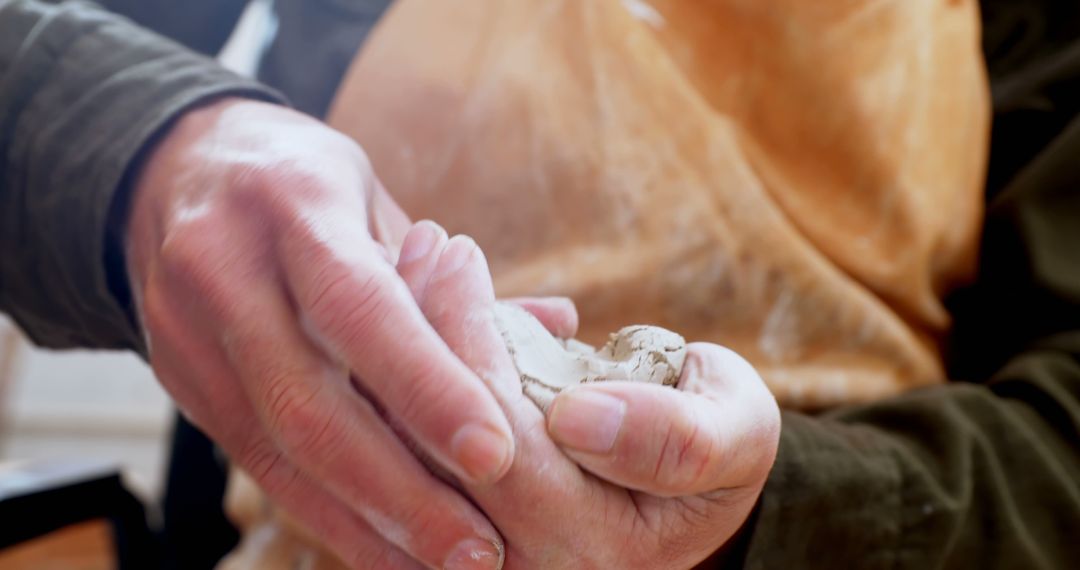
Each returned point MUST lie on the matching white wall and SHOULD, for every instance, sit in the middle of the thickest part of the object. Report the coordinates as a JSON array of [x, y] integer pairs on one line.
[[88, 404]]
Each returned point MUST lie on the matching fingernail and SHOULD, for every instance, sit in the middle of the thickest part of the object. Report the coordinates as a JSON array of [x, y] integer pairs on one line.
[[454, 257], [482, 452], [586, 420], [475, 554], [419, 243]]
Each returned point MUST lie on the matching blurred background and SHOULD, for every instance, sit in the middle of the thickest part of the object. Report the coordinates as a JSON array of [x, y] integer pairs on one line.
[[82, 404]]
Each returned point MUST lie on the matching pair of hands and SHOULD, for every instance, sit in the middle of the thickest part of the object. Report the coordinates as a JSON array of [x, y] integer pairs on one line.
[[336, 352]]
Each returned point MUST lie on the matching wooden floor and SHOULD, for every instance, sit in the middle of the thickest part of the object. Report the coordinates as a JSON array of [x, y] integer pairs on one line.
[[85, 546]]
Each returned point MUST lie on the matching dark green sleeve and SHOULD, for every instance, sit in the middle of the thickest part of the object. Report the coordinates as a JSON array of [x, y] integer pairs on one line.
[[983, 472], [963, 476], [82, 92], [201, 25], [976, 475]]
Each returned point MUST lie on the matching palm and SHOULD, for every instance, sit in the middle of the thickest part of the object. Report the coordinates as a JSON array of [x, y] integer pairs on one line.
[[551, 510]]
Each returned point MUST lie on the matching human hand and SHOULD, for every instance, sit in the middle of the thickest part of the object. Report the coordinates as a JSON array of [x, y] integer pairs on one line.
[[260, 248], [619, 475]]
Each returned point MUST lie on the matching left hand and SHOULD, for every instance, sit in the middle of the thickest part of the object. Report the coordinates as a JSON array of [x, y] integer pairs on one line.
[[619, 475]]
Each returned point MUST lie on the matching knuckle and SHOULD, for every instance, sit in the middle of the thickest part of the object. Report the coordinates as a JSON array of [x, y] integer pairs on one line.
[[284, 195], [347, 309], [299, 419], [423, 394], [433, 523], [260, 461], [192, 257], [425, 519], [289, 185], [685, 456], [268, 469], [287, 188], [184, 250]]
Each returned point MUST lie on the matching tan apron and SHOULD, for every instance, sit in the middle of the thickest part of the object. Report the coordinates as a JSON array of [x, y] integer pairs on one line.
[[798, 180]]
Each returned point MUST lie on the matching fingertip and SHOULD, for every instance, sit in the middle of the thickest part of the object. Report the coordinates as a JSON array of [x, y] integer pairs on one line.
[[459, 251], [420, 241], [419, 254], [484, 453]]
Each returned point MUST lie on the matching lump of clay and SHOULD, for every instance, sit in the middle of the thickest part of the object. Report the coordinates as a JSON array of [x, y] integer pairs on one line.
[[547, 365]]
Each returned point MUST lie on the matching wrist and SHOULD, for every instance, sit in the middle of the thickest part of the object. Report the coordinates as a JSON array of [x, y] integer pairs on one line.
[[130, 201]]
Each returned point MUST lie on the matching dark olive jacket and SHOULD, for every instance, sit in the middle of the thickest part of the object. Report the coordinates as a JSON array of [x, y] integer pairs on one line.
[[983, 472]]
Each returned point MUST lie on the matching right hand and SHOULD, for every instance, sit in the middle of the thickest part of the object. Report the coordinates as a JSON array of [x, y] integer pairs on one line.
[[618, 474], [261, 250]]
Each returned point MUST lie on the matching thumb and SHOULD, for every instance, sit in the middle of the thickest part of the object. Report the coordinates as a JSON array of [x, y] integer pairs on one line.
[[719, 430]]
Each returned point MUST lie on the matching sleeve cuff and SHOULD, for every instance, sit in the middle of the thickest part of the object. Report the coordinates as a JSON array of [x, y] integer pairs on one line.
[[91, 91]]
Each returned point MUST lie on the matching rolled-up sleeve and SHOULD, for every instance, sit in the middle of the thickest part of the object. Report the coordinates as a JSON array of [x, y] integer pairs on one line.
[[82, 93]]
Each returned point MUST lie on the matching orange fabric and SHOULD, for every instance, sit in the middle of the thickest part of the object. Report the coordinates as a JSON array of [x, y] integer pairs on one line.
[[800, 181]]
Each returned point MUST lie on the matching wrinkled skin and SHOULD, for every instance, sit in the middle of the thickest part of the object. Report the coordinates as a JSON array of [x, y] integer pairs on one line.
[[665, 489], [261, 251], [259, 242]]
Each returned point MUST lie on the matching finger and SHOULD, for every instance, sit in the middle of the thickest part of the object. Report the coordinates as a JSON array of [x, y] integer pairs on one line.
[[533, 496], [453, 288], [558, 314], [530, 503], [319, 513], [198, 375], [419, 254], [339, 440], [706, 436], [366, 316]]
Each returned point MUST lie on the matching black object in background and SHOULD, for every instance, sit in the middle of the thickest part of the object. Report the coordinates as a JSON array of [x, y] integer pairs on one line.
[[38, 498]]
